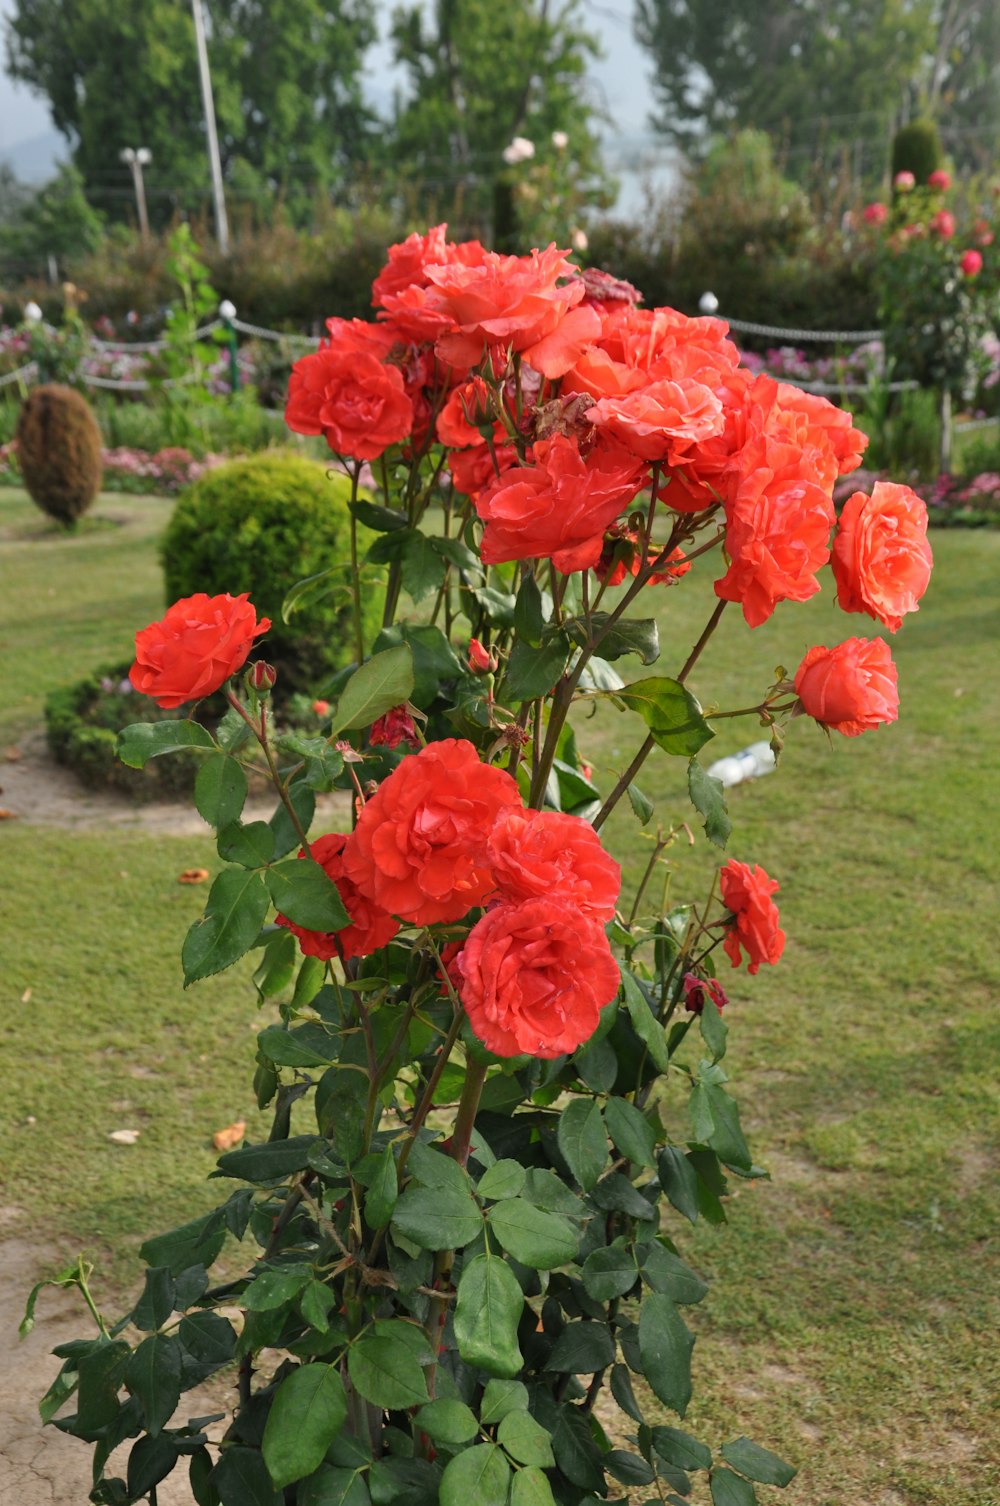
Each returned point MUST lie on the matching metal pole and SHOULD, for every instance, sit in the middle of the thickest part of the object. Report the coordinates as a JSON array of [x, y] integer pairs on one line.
[[140, 198], [221, 223]]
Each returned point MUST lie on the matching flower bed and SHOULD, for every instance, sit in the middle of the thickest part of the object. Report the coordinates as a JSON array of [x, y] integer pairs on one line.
[[166, 472]]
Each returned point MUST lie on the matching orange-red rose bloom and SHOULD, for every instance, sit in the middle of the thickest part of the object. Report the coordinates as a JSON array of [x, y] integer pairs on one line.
[[533, 977], [850, 688], [370, 927], [881, 557], [538, 853], [419, 848], [661, 421], [352, 398], [560, 507], [194, 649], [747, 892]]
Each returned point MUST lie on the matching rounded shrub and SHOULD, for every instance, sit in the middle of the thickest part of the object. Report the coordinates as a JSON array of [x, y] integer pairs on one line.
[[916, 149], [59, 452], [82, 723], [260, 525]]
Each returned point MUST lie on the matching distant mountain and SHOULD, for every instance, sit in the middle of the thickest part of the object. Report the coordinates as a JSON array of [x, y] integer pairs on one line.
[[35, 159]]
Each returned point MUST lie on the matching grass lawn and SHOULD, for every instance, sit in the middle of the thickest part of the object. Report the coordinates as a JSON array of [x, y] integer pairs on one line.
[[850, 1318]]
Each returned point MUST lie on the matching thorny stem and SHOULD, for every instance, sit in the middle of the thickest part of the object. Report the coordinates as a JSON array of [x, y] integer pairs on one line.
[[359, 636], [709, 629], [259, 730]]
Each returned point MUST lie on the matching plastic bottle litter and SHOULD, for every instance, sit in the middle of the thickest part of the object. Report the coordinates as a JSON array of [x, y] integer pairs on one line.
[[748, 763]]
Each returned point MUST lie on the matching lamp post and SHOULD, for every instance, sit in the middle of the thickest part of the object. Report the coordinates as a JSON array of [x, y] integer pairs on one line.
[[137, 159], [227, 313], [211, 135]]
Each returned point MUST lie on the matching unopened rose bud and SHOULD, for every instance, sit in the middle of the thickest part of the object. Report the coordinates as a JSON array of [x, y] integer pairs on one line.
[[321, 708], [397, 726], [482, 661], [261, 678], [696, 990]]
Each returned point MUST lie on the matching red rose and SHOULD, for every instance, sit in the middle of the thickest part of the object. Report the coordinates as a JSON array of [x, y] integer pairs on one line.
[[407, 262], [395, 727], [777, 530], [875, 214], [533, 977], [850, 688], [747, 892], [352, 398], [881, 557], [559, 507], [194, 649], [661, 421], [538, 853], [419, 848], [370, 926]]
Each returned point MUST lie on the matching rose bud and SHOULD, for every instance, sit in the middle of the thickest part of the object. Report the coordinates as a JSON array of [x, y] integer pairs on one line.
[[482, 661], [261, 678]]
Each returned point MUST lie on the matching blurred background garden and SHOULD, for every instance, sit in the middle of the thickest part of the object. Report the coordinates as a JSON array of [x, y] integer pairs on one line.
[[828, 180]]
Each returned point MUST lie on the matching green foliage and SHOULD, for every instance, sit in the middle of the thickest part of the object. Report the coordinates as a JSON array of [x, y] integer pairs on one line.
[[56, 220], [916, 149], [59, 452], [259, 525]]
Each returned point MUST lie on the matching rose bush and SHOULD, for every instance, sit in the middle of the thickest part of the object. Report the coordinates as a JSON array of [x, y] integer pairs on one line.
[[497, 1080]]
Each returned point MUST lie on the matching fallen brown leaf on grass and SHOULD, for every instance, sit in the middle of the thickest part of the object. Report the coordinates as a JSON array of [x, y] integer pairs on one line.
[[124, 1137], [193, 876], [12, 754], [225, 1139], [26, 996], [6, 815]]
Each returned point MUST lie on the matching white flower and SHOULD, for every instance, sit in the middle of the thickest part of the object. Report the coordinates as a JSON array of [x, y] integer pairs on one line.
[[579, 240], [560, 140], [520, 150]]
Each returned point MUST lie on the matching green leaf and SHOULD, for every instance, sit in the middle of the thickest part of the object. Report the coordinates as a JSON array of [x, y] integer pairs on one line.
[[434, 659], [437, 1218], [616, 1194], [730, 1490], [621, 1390], [665, 1272], [150, 1461], [276, 1288], [501, 1397], [303, 801], [597, 1065], [323, 763], [717, 1120], [628, 1469], [630, 1131], [384, 681], [582, 1140], [459, 555], [478, 1476], [153, 1374], [277, 966], [582, 1348], [316, 1302], [709, 799], [679, 1181], [234, 914], [100, 1376], [665, 1346], [535, 1238], [387, 1373], [435, 1168], [380, 1199], [532, 672], [315, 588], [421, 564], [330, 1486], [220, 789], [241, 1478], [713, 1028], [447, 1421], [609, 1272], [157, 1301], [529, 618], [487, 1312], [503, 1179], [498, 605], [758, 1463], [641, 804], [646, 1026], [525, 1440], [208, 1338], [308, 1411], [629, 635], [670, 712], [306, 1045], [251, 846], [378, 519], [145, 740], [194, 1243], [530, 1487], [303, 891], [270, 1162], [680, 1449]]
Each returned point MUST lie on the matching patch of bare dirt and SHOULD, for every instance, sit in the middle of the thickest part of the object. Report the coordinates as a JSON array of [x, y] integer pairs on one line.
[[38, 791]]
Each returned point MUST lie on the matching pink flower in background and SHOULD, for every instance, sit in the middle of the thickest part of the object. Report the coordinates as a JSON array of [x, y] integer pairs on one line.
[[904, 182], [939, 180], [943, 224], [875, 214], [971, 263]]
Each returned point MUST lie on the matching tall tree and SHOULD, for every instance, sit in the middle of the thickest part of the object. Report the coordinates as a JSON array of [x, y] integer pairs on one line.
[[286, 76], [837, 71], [479, 74]]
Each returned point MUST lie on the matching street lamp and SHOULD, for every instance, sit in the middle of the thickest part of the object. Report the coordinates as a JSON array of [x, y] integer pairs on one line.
[[137, 159], [708, 303]]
